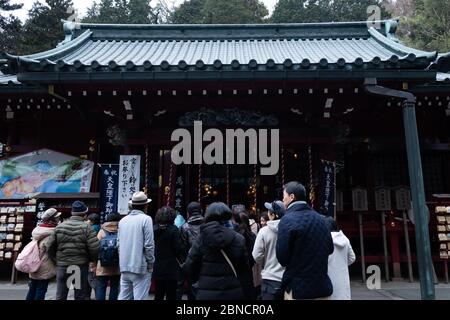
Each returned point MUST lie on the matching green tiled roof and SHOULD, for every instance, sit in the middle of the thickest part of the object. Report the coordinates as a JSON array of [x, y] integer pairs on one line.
[[252, 48]]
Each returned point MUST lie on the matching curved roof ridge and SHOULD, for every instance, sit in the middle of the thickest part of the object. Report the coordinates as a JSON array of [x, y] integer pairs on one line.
[[399, 47], [60, 50]]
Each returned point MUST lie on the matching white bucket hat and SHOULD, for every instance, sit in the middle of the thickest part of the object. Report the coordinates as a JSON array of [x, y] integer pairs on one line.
[[139, 198], [50, 214]]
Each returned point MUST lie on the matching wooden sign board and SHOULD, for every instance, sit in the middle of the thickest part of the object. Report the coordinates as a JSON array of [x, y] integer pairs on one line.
[[359, 197], [402, 198], [383, 199]]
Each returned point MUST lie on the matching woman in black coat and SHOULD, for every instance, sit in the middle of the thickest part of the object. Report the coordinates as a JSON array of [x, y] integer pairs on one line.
[[216, 278], [168, 254]]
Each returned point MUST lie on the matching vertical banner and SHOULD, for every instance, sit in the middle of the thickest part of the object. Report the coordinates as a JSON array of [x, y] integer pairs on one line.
[[109, 189], [129, 180], [326, 188]]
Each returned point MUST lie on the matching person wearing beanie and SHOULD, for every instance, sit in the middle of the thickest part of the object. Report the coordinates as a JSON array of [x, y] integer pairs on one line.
[[218, 262], [40, 279], [73, 245]]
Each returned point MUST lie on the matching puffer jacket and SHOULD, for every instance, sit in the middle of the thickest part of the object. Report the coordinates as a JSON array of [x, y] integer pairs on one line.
[[111, 227], [47, 269], [74, 243], [205, 263]]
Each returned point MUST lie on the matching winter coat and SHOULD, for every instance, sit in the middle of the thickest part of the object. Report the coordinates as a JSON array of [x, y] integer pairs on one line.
[[264, 252], [190, 230], [168, 252], [206, 264], [47, 269], [303, 246], [136, 243], [338, 263], [111, 227], [74, 243]]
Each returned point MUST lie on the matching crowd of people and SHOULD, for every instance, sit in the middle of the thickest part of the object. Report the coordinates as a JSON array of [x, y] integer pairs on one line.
[[223, 253]]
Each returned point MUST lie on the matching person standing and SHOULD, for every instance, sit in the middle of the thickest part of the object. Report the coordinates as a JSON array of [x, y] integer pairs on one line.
[[168, 254], [40, 279], [264, 219], [218, 260], [74, 245], [189, 234], [264, 253], [243, 228], [136, 250], [303, 246], [108, 270], [338, 262], [94, 221]]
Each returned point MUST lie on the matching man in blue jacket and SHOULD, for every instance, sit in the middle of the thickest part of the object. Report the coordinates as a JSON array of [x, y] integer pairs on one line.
[[303, 246]]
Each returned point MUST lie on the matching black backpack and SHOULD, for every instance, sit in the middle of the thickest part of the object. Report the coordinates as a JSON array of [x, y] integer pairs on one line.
[[109, 250]]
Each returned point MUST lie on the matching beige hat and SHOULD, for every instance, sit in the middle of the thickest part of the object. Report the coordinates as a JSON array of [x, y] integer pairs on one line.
[[139, 198], [50, 214]]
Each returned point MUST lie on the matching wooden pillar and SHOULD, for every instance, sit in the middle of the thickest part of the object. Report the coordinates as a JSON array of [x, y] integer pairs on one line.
[[361, 242], [395, 253], [385, 248]]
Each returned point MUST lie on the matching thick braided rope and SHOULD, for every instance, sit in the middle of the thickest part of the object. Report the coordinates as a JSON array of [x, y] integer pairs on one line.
[[311, 178], [170, 183]]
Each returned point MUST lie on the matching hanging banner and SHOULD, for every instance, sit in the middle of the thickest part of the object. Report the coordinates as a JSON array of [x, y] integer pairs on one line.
[[129, 180], [326, 188], [109, 189], [44, 171]]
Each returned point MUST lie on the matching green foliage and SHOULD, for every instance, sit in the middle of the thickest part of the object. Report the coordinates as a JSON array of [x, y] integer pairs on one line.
[[120, 11], [219, 11], [430, 26], [304, 11], [43, 29], [10, 28]]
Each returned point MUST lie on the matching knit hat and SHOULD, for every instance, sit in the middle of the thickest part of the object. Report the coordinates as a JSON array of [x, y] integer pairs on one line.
[[79, 208]]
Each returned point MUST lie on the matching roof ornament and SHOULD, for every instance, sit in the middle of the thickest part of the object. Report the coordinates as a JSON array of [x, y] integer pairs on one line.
[[69, 31], [391, 29]]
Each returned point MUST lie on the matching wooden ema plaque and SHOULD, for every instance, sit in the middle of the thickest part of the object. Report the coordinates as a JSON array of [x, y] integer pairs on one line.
[[383, 199], [359, 197], [402, 199]]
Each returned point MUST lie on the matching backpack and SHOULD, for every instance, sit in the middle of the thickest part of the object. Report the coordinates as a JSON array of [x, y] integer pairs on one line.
[[29, 259], [109, 250]]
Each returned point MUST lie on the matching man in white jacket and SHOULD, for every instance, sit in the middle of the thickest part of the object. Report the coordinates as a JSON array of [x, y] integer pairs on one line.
[[136, 250], [264, 253], [338, 263]]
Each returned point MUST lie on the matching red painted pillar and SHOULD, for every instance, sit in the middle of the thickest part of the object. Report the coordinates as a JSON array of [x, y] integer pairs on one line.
[[395, 253]]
